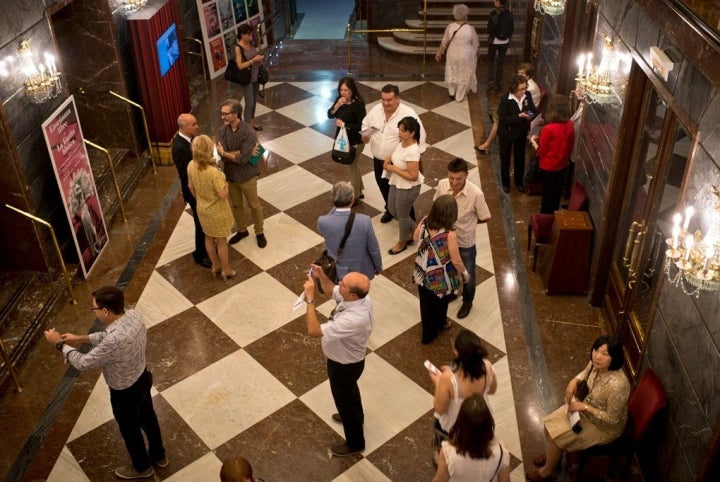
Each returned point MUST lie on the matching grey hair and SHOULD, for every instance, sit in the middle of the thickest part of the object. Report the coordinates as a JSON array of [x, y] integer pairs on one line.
[[342, 194], [235, 106], [460, 11]]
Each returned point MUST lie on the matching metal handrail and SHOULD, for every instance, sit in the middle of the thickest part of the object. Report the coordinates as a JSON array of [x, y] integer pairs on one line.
[[145, 124], [202, 58], [112, 172], [349, 31], [66, 275]]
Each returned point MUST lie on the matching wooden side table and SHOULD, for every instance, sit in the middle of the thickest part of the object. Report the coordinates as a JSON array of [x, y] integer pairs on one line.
[[566, 264]]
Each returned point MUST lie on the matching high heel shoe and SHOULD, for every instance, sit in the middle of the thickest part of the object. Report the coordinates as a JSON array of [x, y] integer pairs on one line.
[[226, 276]]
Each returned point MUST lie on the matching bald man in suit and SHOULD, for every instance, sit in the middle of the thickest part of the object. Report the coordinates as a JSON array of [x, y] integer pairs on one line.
[[182, 155]]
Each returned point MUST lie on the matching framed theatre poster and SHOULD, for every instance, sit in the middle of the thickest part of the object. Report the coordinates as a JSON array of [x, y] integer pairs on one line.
[[71, 164]]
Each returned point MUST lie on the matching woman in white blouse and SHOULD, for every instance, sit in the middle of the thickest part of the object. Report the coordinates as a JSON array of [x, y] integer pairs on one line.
[[403, 170]]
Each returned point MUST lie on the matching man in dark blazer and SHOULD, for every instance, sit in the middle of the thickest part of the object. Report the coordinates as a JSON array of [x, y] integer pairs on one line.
[[182, 155], [362, 251]]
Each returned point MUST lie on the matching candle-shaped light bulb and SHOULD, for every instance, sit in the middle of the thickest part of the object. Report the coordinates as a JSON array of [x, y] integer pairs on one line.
[[676, 220], [675, 236], [708, 257], [689, 211], [588, 69], [581, 64], [689, 242]]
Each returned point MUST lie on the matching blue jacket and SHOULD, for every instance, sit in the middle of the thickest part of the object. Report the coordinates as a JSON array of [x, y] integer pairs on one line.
[[361, 252]]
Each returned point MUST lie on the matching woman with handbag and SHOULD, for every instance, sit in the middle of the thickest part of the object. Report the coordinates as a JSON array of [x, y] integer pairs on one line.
[[437, 265], [248, 56], [553, 148], [348, 110], [473, 452], [602, 413], [403, 171], [460, 43]]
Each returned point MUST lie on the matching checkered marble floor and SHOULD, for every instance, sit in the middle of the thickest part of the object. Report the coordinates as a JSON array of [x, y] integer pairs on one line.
[[235, 373]]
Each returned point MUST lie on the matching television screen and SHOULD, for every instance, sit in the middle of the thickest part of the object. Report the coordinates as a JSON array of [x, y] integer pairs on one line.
[[168, 49]]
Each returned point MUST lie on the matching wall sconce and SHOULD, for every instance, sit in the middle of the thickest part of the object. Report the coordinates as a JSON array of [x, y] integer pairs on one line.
[[42, 80], [594, 83], [691, 261], [128, 7], [550, 7]]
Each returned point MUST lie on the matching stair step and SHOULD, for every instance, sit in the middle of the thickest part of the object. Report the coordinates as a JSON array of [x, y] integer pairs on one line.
[[447, 12], [389, 43], [418, 37], [441, 24]]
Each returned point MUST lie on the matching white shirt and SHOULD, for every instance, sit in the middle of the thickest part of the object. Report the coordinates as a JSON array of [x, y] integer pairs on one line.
[[400, 157], [471, 209], [385, 140], [345, 335]]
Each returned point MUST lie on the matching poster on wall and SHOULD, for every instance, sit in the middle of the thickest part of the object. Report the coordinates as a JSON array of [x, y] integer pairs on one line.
[[219, 23], [69, 157]]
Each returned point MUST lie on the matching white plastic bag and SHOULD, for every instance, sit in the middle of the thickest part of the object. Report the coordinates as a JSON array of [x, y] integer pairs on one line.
[[342, 143]]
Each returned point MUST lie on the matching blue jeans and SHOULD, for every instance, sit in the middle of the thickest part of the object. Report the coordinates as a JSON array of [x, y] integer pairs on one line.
[[468, 256]]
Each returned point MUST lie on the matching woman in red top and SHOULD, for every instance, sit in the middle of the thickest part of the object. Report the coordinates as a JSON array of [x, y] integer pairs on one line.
[[554, 147]]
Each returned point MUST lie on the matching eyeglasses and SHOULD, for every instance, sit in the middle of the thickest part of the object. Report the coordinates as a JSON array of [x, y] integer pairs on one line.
[[95, 309], [225, 114]]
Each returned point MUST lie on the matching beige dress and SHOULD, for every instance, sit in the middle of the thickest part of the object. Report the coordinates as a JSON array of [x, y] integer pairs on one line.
[[609, 394], [213, 211]]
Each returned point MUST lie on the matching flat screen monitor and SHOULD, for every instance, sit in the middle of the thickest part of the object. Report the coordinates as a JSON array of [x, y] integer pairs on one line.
[[168, 49]]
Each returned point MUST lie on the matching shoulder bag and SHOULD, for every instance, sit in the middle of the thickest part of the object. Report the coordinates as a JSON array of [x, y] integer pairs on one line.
[[327, 262], [237, 75]]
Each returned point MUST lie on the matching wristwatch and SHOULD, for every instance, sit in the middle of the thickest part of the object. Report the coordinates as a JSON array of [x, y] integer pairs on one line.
[[59, 344], [309, 301]]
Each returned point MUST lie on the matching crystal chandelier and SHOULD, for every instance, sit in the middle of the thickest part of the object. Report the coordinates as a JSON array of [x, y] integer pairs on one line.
[[128, 7], [691, 261], [594, 83], [550, 7], [42, 80]]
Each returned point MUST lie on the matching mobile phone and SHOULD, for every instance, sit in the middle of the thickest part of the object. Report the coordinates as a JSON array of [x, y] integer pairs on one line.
[[431, 368], [311, 272], [530, 113]]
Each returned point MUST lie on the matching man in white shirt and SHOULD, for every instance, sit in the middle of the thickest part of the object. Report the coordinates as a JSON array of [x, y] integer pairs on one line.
[[471, 210], [344, 343], [383, 120]]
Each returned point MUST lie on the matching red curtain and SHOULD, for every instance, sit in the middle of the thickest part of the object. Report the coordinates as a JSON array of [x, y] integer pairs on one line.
[[164, 97]]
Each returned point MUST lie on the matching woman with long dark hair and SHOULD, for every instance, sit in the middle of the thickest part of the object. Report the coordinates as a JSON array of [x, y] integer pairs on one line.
[[438, 265], [472, 452], [603, 412], [348, 110], [469, 374]]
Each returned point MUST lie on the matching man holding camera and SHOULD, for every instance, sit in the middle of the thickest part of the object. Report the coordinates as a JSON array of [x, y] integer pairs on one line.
[[344, 343]]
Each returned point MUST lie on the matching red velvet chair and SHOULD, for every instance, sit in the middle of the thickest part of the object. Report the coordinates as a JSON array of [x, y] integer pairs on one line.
[[646, 402], [540, 225]]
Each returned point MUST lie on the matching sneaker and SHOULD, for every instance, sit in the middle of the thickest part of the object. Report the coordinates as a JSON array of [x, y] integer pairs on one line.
[[386, 217], [238, 236], [336, 418], [261, 241], [343, 450], [464, 310], [130, 473], [162, 463]]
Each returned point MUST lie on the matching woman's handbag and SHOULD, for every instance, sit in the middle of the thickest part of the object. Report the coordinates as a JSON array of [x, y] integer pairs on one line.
[[582, 390], [263, 75], [533, 174], [237, 75], [327, 262], [343, 152]]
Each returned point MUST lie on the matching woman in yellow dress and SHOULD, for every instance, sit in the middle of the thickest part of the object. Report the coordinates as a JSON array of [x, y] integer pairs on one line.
[[208, 185]]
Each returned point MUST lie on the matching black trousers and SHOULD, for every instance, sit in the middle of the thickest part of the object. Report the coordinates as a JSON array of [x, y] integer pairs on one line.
[[516, 148], [346, 394], [553, 183], [495, 62], [433, 314], [200, 252], [384, 184], [134, 413]]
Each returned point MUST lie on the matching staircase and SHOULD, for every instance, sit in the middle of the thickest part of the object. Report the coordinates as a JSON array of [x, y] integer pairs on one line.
[[439, 15]]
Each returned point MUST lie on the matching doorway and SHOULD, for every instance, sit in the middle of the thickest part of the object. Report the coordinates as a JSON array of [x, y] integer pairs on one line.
[[651, 193]]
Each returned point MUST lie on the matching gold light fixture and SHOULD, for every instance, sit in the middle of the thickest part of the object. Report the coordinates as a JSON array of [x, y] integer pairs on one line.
[[550, 7], [692, 261], [128, 7], [42, 80], [594, 83]]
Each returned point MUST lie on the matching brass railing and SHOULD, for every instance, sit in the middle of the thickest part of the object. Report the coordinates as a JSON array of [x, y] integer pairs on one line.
[[349, 31], [201, 54], [112, 173], [145, 124], [66, 275]]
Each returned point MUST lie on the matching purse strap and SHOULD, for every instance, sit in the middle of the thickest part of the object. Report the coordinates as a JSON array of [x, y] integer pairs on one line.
[[348, 228], [453, 36], [498, 466]]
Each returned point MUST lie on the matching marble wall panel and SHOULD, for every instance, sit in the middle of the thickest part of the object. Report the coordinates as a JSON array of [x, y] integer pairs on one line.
[[17, 17], [615, 11], [693, 101], [383, 17], [710, 126]]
